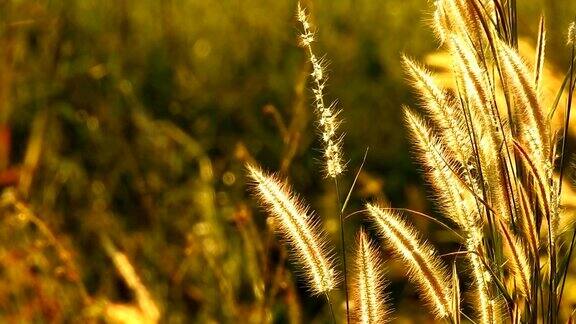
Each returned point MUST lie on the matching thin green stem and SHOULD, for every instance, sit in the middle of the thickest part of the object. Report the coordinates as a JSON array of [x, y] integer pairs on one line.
[[266, 275], [331, 307], [417, 213], [341, 215], [556, 306], [567, 122], [354, 182], [567, 268]]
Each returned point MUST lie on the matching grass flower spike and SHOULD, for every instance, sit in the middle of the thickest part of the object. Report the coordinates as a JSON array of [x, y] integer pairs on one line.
[[571, 40], [327, 114], [425, 268], [369, 299], [299, 228], [518, 261]]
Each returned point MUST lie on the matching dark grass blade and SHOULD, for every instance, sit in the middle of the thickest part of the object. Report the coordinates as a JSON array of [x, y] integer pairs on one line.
[[540, 50], [567, 123]]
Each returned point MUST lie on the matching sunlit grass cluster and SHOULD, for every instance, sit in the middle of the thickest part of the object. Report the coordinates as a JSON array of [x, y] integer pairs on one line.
[[248, 161], [495, 165]]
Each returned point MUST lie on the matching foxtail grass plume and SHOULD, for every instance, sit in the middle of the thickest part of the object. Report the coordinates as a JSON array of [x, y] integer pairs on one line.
[[527, 225], [458, 17], [327, 114], [485, 308], [535, 130], [447, 19], [455, 198], [425, 268], [571, 40], [440, 108], [368, 286], [299, 228], [440, 25], [518, 261]]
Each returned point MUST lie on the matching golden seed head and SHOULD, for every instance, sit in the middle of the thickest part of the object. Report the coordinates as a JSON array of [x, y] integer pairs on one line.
[[368, 283], [299, 228], [572, 33], [424, 266], [307, 37], [327, 114]]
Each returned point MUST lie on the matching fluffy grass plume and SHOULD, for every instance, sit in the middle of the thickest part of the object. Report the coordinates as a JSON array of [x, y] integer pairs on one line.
[[438, 105], [424, 267], [327, 113], [446, 152], [571, 38], [299, 228], [455, 197], [368, 285], [517, 260]]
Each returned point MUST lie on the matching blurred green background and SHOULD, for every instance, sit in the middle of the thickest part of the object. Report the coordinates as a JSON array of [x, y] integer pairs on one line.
[[125, 126]]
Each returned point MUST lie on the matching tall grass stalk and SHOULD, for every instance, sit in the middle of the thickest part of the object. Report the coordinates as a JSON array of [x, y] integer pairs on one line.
[[300, 230], [328, 123]]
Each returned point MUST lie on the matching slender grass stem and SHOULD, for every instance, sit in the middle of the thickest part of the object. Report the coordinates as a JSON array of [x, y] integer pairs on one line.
[[563, 151], [266, 275], [342, 238], [354, 182], [331, 307], [468, 318], [567, 121], [566, 270], [417, 213]]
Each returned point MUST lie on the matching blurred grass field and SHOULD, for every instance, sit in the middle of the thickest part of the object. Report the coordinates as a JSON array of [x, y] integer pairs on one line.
[[125, 126]]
